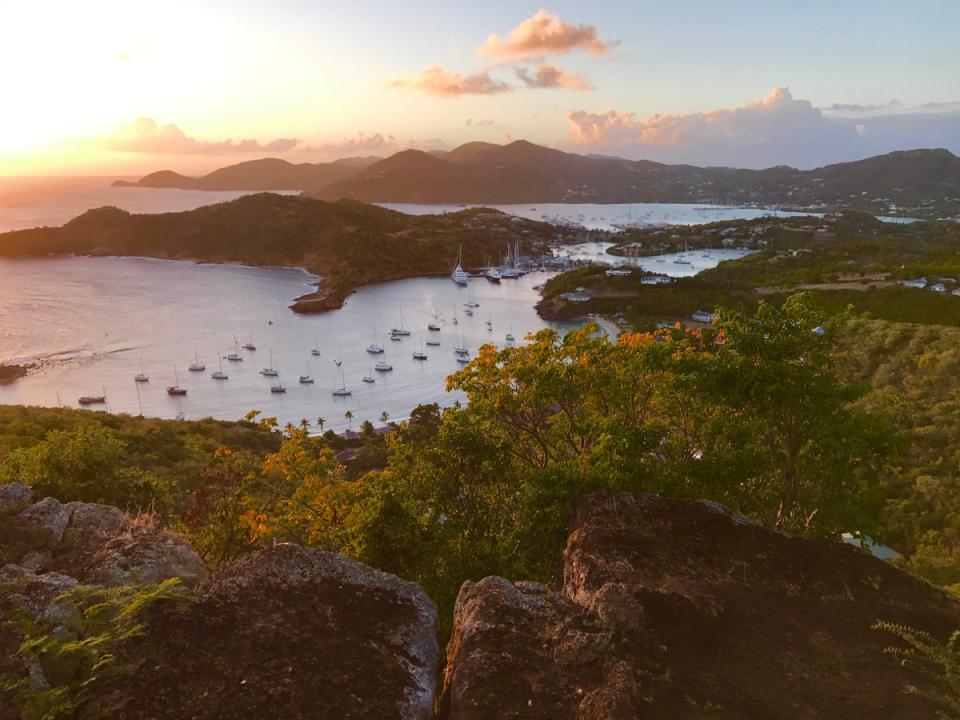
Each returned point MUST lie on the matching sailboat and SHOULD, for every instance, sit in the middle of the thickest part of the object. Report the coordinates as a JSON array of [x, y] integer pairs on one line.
[[315, 351], [369, 378], [510, 338], [342, 391], [489, 323], [219, 374], [471, 301], [435, 325], [401, 331], [175, 389], [270, 371], [306, 378], [141, 377], [374, 348], [234, 356], [196, 365], [383, 366], [459, 276], [278, 387], [249, 345], [93, 399], [455, 320], [509, 270], [420, 354]]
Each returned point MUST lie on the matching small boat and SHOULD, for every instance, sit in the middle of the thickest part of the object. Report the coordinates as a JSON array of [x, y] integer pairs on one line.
[[493, 275], [342, 391], [369, 378], [681, 261], [459, 276], [306, 380], [383, 366], [141, 377], [434, 342], [315, 352], [510, 337], [175, 389], [196, 365], [375, 348], [395, 338], [92, 399], [419, 355], [249, 346], [463, 359], [234, 356], [278, 388], [270, 371], [489, 324], [219, 374], [469, 312], [401, 331], [433, 327]]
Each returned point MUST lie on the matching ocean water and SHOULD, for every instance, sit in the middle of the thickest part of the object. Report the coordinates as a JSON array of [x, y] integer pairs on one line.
[[47, 201], [88, 323], [681, 264]]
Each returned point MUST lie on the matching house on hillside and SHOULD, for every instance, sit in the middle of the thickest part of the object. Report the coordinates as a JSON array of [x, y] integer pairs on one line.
[[702, 316]]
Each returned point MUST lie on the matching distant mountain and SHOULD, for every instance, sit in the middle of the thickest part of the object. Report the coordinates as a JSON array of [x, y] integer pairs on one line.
[[927, 181], [347, 242], [922, 183], [264, 174]]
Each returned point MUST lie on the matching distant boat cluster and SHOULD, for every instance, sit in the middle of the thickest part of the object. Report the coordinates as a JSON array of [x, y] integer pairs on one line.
[[429, 339]]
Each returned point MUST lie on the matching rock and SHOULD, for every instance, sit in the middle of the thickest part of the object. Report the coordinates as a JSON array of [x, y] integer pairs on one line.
[[14, 497], [100, 545], [49, 516], [289, 633], [675, 608]]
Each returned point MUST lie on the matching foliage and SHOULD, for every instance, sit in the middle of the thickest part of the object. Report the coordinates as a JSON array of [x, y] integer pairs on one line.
[[927, 656], [79, 658]]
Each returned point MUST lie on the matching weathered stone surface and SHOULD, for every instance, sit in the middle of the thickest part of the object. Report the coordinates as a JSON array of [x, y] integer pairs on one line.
[[293, 633], [100, 545], [674, 608], [50, 516], [14, 497]]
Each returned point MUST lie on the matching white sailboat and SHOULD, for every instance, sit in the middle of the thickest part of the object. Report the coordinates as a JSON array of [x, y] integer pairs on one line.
[[306, 378], [342, 391], [383, 366], [234, 356], [369, 378], [219, 374], [270, 371], [375, 348], [141, 377], [196, 365], [175, 389], [402, 331], [420, 354], [459, 276]]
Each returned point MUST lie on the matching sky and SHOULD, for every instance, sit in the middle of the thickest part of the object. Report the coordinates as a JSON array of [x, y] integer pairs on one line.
[[124, 87]]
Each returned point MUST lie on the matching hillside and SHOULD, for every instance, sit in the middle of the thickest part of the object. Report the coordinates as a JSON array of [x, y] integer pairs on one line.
[[264, 174], [924, 181], [348, 243]]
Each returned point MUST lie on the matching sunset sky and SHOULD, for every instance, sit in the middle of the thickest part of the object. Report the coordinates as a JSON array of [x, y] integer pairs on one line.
[[125, 87]]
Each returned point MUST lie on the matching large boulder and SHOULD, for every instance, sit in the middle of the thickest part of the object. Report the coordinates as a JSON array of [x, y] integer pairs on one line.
[[98, 545], [291, 633], [14, 497], [675, 608]]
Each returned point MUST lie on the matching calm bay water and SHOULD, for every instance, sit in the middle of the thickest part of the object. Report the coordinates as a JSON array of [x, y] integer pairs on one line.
[[88, 322], [608, 216]]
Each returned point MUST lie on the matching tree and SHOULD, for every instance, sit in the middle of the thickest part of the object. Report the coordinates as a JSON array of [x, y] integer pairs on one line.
[[349, 416], [384, 417], [321, 422]]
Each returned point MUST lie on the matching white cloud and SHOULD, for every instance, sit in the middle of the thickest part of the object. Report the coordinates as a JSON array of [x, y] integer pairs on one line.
[[145, 136], [775, 130], [541, 35]]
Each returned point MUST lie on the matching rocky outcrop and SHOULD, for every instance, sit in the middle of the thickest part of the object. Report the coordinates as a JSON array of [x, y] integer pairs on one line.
[[674, 608], [289, 632], [97, 545]]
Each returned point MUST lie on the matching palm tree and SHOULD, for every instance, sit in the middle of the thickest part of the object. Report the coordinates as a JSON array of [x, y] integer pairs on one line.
[[320, 422], [304, 423], [349, 416], [384, 416]]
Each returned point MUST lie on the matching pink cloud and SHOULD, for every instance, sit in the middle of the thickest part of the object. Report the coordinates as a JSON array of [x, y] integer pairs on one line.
[[434, 80], [544, 34], [145, 136], [551, 76], [774, 130]]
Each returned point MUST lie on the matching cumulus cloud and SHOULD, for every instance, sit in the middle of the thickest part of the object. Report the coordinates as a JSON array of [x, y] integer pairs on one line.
[[358, 144], [775, 130], [434, 80], [145, 136], [551, 76], [544, 34]]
